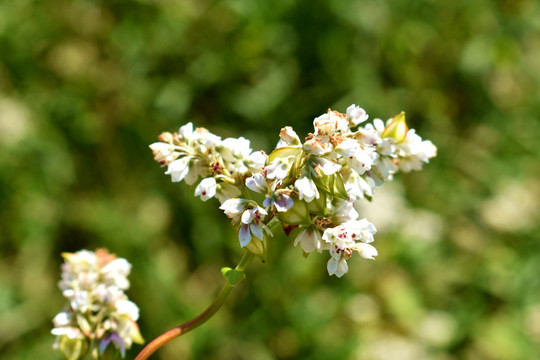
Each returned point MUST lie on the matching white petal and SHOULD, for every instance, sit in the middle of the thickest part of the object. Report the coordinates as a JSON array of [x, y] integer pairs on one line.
[[366, 251], [178, 169], [126, 307], [332, 266], [309, 240], [186, 131], [356, 114], [342, 268], [244, 235], [257, 183], [233, 207], [206, 188], [62, 319], [256, 161], [307, 190], [328, 167], [247, 217], [283, 202], [257, 231]]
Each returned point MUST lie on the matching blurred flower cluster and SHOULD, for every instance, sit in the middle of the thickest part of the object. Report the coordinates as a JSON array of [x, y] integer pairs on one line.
[[98, 312], [312, 188]]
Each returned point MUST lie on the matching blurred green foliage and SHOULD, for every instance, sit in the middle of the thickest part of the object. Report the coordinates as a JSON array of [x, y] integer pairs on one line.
[[86, 85]]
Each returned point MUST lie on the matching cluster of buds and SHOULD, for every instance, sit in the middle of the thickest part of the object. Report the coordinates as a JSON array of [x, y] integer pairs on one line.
[[311, 188], [98, 312]]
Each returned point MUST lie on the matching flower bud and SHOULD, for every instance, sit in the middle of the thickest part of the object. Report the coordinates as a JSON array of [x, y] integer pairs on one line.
[[289, 136], [257, 247], [396, 128], [166, 137], [309, 239]]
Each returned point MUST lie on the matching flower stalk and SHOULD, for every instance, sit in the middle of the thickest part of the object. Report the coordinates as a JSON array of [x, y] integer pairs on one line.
[[234, 278]]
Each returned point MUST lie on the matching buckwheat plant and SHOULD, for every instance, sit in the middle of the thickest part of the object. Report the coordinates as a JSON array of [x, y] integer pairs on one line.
[[310, 188], [98, 312]]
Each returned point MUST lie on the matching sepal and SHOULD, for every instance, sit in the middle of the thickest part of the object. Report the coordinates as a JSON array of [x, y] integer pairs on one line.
[[258, 248], [297, 214]]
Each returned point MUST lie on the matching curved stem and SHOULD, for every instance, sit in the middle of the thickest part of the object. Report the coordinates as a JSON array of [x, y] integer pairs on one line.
[[197, 321]]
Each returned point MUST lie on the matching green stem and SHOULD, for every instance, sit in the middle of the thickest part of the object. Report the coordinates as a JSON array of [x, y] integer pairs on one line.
[[197, 321]]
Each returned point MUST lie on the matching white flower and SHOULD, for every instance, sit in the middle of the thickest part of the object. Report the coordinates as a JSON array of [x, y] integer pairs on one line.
[[328, 167], [255, 162], [233, 149], [348, 147], [178, 169], [115, 273], [257, 183], [357, 187], [288, 138], [385, 145], [309, 239], [382, 170], [356, 115], [238, 157], [279, 168], [337, 267], [234, 207], [281, 201], [366, 251], [360, 158], [126, 307], [251, 225], [307, 190], [363, 230], [186, 132], [343, 239], [331, 122], [164, 153], [204, 140], [197, 167], [342, 211], [318, 145], [206, 188], [62, 319], [413, 152], [94, 283]]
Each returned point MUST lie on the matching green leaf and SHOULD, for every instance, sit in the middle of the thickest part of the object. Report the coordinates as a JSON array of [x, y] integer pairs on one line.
[[324, 183], [233, 276]]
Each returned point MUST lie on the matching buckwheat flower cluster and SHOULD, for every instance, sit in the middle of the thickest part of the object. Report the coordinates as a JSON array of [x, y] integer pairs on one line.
[[98, 312], [223, 165], [310, 187]]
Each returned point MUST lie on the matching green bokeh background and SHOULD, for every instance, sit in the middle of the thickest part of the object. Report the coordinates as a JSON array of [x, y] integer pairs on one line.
[[86, 86]]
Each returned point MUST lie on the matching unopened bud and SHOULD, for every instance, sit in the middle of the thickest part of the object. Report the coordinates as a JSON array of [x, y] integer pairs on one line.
[[289, 136], [396, 128], [166, 137]]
